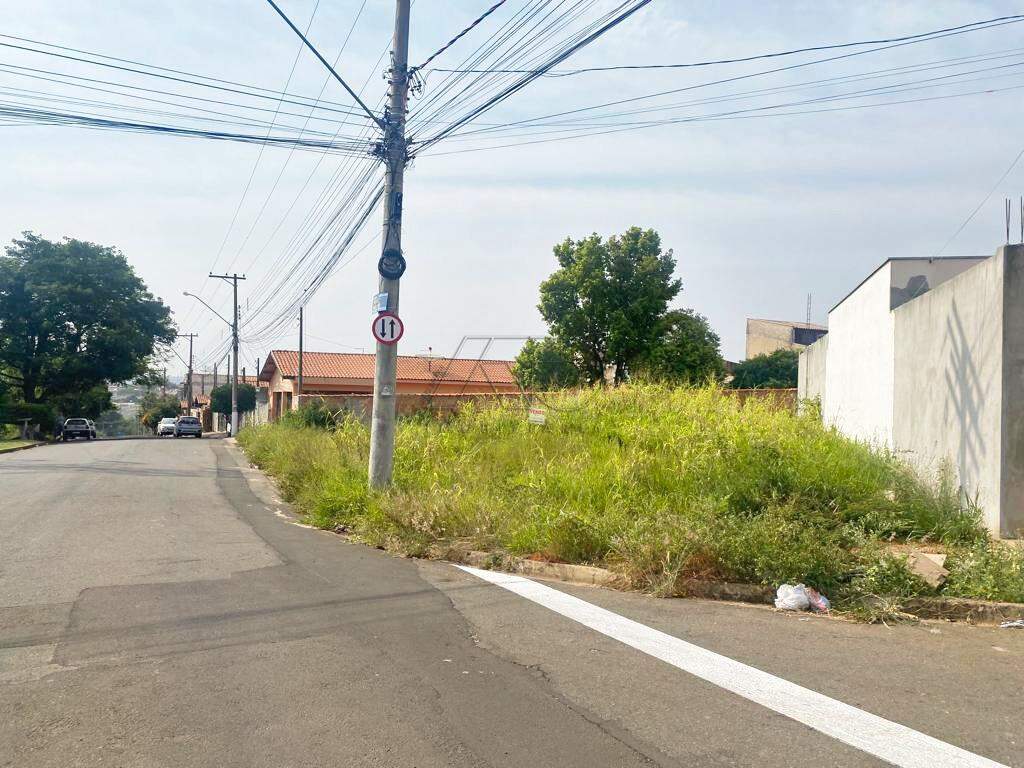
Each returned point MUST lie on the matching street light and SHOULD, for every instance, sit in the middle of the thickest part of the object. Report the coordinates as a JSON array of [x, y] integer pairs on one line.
[[234, 375], [218, 314]]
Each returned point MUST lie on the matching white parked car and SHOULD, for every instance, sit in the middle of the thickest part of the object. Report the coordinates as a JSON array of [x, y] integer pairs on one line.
[[165, 427]]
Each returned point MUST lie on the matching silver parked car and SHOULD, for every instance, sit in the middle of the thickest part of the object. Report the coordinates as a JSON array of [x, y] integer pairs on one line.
[[78, 428], [165, 427], [188, 425]]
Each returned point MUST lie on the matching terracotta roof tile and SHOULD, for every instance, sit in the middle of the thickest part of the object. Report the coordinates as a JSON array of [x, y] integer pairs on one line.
[[348, 365]]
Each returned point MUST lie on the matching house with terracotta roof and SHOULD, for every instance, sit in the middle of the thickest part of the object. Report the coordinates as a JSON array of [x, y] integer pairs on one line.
[[333, 374]]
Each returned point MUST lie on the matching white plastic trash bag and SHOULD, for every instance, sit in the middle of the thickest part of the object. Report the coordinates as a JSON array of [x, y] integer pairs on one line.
[[790, 598]]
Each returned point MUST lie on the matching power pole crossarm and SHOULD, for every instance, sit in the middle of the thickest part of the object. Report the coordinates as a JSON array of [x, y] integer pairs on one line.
[[395, 156]]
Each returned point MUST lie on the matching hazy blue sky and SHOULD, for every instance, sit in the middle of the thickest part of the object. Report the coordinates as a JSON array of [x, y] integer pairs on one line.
[[759, 212]]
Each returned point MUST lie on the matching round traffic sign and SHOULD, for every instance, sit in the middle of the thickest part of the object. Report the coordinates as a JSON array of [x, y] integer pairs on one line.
[[387, 328]]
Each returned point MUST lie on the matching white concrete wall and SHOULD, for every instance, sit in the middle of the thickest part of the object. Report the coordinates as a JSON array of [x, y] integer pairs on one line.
[[811, 376], [948, 385], [859, 374]]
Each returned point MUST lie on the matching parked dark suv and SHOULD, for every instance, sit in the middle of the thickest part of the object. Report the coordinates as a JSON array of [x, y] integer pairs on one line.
[[188, 425], [78, 428]]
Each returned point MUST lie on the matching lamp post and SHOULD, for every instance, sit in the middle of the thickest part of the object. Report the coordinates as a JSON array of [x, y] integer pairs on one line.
[[234, 377]]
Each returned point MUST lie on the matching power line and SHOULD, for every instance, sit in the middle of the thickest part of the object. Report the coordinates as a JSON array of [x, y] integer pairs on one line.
[[980, 205], [521, 83], [458, 37], [324, 61], [272, 93], [744, 59], [267, 94], [725, 116], [737, 78], [256, 163]]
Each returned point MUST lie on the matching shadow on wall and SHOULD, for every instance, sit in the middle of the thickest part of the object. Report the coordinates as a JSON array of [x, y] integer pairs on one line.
[[967, 395]]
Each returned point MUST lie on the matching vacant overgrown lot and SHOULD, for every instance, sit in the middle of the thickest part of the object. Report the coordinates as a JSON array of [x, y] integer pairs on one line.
[[656, 483]]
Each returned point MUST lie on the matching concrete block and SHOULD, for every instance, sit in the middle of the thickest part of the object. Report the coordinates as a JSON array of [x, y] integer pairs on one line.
[[929, 567]]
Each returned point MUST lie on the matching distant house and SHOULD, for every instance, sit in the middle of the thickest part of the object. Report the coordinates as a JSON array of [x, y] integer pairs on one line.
[[926, 357], [767, 336], [327, 374]]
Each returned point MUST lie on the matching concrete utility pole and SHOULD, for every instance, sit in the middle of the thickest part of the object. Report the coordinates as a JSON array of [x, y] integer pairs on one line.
[[233, 279], [298, 399], [395, 156], [188, 378]]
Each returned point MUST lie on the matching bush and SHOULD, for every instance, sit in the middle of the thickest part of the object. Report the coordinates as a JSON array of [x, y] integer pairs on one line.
[[655, 482], [989, 570]]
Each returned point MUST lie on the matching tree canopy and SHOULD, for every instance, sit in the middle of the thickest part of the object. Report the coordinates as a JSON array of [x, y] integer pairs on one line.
[[155, 406], [545, 364], [220, 399], [777, 370], [74, 317], [608, 304], [686, 351]]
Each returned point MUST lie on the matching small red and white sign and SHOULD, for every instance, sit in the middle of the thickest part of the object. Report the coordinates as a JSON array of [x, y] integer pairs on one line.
[[387, 328]]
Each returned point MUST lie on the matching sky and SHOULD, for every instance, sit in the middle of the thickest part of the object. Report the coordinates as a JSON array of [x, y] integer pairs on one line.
[[759, 212]]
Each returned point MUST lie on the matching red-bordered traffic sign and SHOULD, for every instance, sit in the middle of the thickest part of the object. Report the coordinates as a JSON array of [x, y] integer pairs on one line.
[[387, 328]]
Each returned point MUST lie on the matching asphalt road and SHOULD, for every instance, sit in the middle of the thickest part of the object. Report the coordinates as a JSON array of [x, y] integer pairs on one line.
[[158, 607]]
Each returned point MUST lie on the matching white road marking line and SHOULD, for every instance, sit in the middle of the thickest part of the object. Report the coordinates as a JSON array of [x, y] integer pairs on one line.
[[889, 741]]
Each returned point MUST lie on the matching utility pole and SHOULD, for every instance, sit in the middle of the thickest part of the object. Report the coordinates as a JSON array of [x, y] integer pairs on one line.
[[298, 399], [188, 379], [395, 156], [233, 279], [163, 386]]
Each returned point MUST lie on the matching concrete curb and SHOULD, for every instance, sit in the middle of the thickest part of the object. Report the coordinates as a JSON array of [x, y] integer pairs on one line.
[[21, 448], [963, 609], [590, 575], [980, 612]]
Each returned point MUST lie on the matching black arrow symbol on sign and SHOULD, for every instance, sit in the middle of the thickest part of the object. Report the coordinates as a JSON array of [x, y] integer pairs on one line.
[[392, 329]]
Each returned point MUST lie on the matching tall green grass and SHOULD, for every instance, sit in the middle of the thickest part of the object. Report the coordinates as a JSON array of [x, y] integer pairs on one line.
[[656, 482]]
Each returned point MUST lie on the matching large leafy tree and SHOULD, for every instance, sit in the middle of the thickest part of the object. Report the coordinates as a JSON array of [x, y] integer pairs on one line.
[[606, 301], [608, 305], [777, 370], [545, 364], [686, 351], [153, 406], [74, 317], [220, 398]]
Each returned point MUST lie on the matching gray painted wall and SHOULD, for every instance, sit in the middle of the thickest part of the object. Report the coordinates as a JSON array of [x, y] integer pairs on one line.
[[946, 369], [1012, 507], [947, 404]]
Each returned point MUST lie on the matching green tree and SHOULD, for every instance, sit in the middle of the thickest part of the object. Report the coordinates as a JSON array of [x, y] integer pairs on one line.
[[777, 370], [545, 364], [220, 399], [112, 424], [153, 406], [686, 351], [74, 316], [605, 302], [608, 304], [89, 403]]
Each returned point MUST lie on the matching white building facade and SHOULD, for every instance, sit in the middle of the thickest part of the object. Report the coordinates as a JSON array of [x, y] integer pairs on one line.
[[926, 357]]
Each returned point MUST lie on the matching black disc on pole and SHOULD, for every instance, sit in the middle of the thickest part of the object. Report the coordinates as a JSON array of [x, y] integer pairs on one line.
[[391, 264]]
